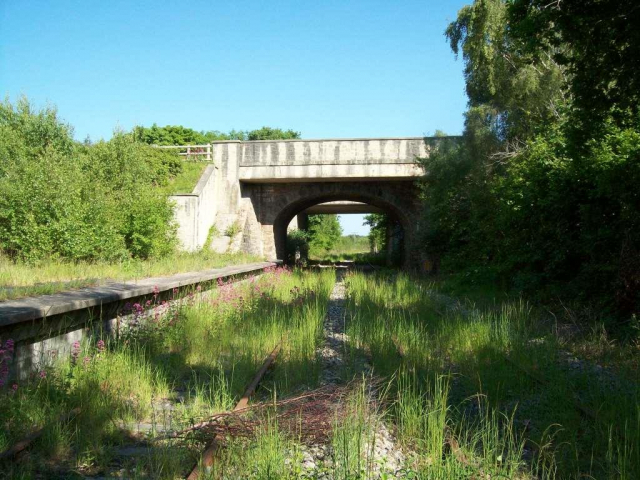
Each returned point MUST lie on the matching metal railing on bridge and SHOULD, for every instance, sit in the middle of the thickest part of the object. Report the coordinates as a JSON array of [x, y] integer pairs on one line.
[[198, 153]]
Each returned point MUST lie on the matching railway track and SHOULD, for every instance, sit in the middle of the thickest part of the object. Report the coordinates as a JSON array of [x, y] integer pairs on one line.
[[23, 444], [208, 456], [584, 411]]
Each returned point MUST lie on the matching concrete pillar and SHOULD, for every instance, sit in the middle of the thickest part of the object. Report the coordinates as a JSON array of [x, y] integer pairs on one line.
[[269, 243]]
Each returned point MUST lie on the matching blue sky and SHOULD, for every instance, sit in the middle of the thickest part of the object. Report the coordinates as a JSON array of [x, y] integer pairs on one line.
[[352, 224], [326, 69]]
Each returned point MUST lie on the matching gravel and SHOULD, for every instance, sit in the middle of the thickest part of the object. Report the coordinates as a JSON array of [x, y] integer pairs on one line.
[[381, 451]]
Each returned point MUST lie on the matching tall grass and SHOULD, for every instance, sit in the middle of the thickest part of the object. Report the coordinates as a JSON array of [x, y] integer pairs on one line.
[[19, 279], [111, 387], [186, 180], [200, 360], [269, 455], [353, 438], [499, 382]]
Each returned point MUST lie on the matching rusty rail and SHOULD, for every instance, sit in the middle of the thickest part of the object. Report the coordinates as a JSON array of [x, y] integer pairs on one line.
[[209, 454], [542, 381], [33, 436]]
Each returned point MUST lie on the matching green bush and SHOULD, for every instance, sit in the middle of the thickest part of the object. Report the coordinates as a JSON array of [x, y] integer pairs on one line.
[[297, 241], [324, 232], [61, 199], [541, 193]]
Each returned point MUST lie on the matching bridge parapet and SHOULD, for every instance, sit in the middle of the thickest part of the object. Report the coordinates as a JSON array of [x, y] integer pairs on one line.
[[358, 151], [325, 160]]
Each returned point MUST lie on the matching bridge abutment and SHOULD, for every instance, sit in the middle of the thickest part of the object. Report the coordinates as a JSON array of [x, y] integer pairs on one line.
[[261, 186]]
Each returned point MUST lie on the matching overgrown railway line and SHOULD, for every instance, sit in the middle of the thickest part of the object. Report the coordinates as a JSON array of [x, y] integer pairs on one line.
[[208, 456], [359, 395]]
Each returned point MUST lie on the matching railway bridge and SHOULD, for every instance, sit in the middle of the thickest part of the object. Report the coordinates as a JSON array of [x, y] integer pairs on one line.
[[255, 189]]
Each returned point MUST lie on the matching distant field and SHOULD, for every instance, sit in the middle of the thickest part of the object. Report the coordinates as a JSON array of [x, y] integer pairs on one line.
[[345, 249]]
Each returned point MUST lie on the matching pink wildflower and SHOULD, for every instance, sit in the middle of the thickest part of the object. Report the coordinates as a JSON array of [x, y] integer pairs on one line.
[[43, 374], [100, 345], [75, 351]]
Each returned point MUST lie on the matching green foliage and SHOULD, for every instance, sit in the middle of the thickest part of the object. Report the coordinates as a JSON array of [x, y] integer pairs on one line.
[[324, 232], [232, 230], [297, 246], [509, 94], [68, 200], [352, 244], [596, 41], [202, 350], [574, 216], [20, 278], [385, 238], [378, 223], [187, 179], [541, 193], [179, 135], [509, 362], [267, 133]]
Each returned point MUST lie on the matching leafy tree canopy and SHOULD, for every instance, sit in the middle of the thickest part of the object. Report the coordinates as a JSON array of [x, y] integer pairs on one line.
[[378, 223], [268, 133], [598, 41], [541, 193], [324, 231], [60, 198], [179, 135]]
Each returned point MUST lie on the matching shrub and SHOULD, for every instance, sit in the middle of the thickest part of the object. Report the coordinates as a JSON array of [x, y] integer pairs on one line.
[[59, 198], [233, 229], [297, 241]]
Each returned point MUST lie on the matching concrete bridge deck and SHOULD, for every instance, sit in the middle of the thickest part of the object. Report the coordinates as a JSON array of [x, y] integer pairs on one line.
[[342, 207], [325, 159]]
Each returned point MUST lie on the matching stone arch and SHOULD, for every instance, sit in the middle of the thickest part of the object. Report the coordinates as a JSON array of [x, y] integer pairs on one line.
[[282, 220], [276, 204]]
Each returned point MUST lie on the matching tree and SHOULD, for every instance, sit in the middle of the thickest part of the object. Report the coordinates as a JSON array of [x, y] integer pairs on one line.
[[268, 133], [66, 199], [597, 41], [378, 223], [511, 91], [324, 231], [541, 192], [179, 135], [168, 135]]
